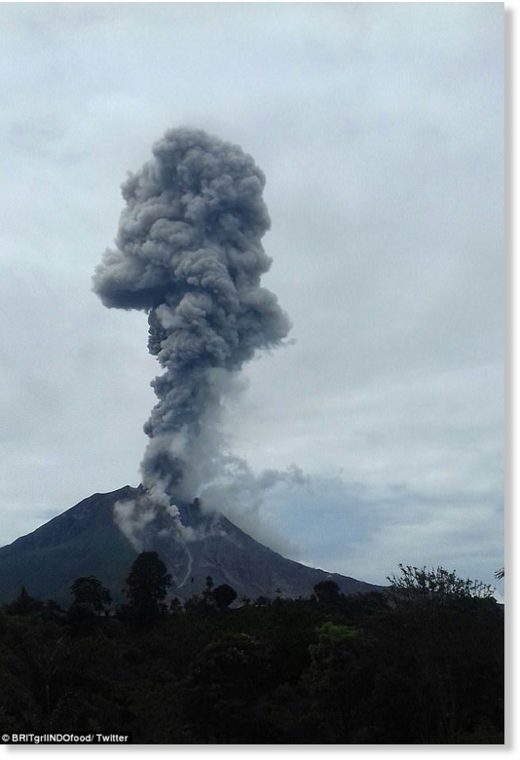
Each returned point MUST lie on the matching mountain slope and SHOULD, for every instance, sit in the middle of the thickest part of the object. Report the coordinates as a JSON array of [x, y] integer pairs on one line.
[[92, 539], [84, 540]]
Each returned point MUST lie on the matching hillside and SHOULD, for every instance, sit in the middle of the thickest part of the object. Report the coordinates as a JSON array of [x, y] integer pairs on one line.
[[86, 540]]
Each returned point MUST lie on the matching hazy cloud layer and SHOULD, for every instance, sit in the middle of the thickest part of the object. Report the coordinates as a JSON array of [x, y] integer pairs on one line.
[[379, 129]]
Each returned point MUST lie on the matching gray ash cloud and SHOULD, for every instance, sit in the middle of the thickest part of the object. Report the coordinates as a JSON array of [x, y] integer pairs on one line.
[[188, 252]]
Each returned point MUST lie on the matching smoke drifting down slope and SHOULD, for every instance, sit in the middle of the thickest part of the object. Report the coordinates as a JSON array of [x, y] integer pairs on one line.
[[189, 253]]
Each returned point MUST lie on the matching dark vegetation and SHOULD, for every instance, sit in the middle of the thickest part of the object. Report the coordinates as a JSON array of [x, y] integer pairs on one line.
[[422, 663]]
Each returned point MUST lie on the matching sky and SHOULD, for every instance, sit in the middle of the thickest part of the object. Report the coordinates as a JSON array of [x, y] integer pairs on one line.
[[379, 129]]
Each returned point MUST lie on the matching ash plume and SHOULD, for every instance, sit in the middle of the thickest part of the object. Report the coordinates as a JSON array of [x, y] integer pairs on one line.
[[189, 253]]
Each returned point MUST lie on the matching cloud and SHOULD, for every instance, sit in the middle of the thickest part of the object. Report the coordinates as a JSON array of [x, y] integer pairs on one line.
[[377, 528]]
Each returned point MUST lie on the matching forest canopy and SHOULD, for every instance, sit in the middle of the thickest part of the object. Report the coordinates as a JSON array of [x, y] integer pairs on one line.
[[421, 663]]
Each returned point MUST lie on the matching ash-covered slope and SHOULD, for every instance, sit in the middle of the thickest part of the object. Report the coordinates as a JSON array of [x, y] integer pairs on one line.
[[88, 540]]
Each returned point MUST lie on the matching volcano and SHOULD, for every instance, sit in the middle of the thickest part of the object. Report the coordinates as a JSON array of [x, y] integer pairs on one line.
[[87, 540]]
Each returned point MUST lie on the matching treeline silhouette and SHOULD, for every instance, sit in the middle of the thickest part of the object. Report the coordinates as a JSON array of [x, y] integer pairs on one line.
[[421, 663]]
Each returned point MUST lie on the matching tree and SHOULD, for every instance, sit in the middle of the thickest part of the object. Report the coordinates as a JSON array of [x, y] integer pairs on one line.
[[207, 594], [327, 592], [332, 682], [51, 610], [222, 691], [147, 585], [437, 660], [421, 584], [24, 604], [89, 592], [223, 596]]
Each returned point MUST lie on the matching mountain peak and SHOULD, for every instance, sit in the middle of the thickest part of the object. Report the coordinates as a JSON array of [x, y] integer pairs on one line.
[[102, 535]]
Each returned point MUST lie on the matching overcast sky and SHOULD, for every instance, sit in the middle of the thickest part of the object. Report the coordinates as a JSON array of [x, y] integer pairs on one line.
[[379, 129]]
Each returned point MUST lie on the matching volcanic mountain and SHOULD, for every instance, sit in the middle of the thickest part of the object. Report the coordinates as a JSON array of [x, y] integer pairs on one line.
[[91, 538]]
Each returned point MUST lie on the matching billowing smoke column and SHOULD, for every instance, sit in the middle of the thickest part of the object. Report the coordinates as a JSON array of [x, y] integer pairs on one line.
[[189, 253]]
